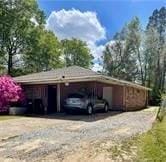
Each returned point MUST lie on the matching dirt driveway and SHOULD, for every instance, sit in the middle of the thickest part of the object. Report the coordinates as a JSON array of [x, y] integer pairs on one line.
[[58, 137]]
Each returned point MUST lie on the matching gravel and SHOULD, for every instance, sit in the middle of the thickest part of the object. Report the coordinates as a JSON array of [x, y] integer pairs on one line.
[[69, 134]]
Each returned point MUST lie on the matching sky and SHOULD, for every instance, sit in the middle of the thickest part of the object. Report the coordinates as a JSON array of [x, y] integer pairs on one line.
[[95, 21]]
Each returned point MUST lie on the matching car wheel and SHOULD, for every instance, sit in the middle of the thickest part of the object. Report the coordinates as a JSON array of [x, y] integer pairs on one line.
[[89, 109], [106, 108]]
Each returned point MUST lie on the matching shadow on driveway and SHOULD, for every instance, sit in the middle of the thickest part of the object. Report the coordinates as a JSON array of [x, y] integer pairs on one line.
[[77, 116]]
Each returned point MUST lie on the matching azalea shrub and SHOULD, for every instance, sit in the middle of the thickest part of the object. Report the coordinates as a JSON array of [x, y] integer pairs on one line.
[[10, 92]]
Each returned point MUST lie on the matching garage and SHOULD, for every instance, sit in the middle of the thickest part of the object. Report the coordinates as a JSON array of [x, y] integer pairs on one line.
[[52, 87]]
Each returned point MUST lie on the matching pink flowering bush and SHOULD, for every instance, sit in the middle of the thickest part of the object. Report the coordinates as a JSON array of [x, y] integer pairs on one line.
[[10, 92]]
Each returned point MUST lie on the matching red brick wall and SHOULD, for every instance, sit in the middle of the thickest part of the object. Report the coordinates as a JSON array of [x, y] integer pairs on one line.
[[135, 98], [125, 98]]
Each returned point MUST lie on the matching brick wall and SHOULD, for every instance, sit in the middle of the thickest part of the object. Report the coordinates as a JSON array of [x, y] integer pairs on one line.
[[135, 98], [124, 98]]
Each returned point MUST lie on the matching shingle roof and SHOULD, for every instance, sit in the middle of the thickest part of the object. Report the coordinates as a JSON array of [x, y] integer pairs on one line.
[[72, 73], [66, 72]]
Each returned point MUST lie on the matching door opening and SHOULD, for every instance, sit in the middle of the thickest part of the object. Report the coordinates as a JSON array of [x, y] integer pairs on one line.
[[52, 99]]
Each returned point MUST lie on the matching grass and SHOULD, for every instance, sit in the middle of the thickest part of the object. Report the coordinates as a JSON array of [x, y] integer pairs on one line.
[[7, 117], [147, 147], [152, 145]]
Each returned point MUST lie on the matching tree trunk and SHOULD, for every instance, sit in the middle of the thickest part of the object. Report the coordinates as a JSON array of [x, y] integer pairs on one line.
[[145, 74], [158, 72], [141, 69], [10, 64], [163, 76], [163, 82]]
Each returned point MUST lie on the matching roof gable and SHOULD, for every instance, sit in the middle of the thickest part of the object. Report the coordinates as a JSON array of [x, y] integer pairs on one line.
[[60, 73]]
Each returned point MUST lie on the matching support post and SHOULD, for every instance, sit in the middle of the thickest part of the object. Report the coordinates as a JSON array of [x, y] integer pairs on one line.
[[147, 98], [124, 98], [58, 98]]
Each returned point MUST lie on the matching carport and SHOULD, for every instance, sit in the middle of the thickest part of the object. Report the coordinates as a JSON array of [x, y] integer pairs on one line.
[[52, 87]]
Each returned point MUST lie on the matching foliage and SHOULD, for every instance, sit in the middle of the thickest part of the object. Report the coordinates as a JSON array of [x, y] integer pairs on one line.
[[138, 55], [9, 92], [43, 51], [151, 50], [157, 22], [113, 60], [26, 46], [76, 52], [155, 97], [120, 58], [16, 21]]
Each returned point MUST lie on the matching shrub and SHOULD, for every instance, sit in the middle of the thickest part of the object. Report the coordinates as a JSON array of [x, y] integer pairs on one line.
[[10, 92], [155, 97]]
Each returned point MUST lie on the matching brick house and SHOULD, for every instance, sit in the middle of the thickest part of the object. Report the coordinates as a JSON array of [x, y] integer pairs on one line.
[[52, 87]]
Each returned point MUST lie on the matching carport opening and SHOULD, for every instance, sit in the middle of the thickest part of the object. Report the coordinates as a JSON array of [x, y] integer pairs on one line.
[[52, 99]]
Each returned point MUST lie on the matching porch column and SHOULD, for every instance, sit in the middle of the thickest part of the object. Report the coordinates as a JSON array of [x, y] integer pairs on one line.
[[58, 98]]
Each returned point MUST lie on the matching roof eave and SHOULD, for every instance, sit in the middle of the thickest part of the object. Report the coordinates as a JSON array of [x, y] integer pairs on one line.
[[99, 78], [111, 80]]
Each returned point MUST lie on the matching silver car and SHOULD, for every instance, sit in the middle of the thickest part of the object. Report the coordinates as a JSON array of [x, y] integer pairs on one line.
[[84, 102]]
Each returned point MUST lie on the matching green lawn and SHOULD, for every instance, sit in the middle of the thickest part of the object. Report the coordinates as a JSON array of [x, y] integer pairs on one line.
[[7, 117]]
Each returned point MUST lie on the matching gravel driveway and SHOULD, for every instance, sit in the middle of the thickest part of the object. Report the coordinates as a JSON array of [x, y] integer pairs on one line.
[[36, 139]]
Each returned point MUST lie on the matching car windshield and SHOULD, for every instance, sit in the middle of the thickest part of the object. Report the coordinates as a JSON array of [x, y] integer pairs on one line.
[[76, 95]]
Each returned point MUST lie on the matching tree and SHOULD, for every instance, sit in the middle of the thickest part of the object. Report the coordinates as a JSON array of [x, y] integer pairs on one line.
[[158, 22], [43, 51], [16, 21], [114, 59], [76, 52], [151, 50], [133, 52], [120, 59], [9, 92]]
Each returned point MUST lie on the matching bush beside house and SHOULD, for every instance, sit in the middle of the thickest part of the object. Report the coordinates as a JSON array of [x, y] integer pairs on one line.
[[10, 93]]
